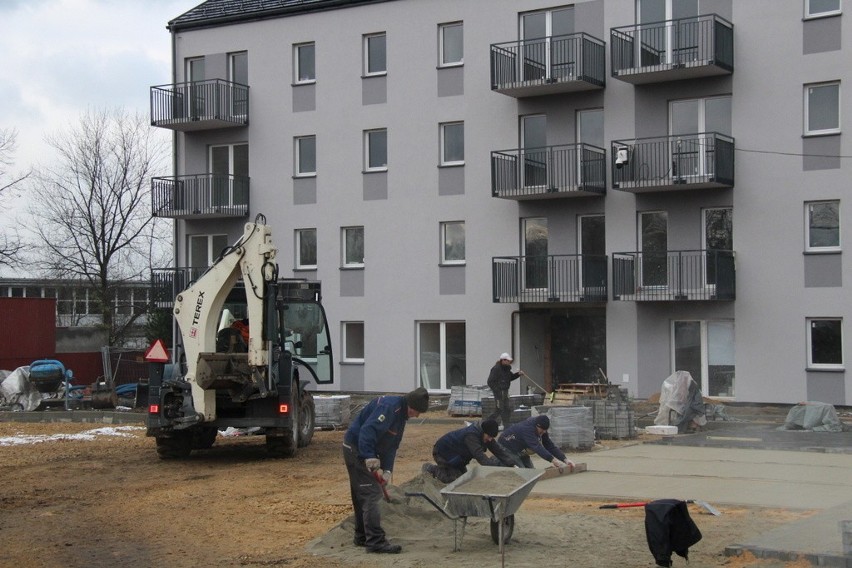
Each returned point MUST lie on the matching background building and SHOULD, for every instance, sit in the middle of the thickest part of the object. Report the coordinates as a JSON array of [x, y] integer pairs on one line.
[[609, 187]]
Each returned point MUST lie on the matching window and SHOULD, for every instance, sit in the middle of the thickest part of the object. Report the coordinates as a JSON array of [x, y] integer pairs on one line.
[[441, 352], [353, 247], [452, 144], [229, 181], [822, 226], [353, 341], [706, 350], [303, 63], [451, 44], [204, 249], [820, 8], [238, 73], [306, 249], [375, 56], [376, 150], [822, 108], [452, 242], [825, 343], [306, 155]]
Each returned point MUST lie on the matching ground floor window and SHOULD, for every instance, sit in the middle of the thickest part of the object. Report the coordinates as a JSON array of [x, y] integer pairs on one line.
[[706, 350], [441, 354], [352, 339], [825, 343]]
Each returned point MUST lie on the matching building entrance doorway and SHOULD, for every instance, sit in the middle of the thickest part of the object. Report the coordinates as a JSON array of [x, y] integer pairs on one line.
[[578, 346]]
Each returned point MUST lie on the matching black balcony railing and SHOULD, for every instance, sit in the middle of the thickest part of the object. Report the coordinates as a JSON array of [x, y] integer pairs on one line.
[[557, 64], [687, 161], [551, 171], [200, 105], [553, 278], [685, 48], [166, 283], [201, 195], [674, 275]]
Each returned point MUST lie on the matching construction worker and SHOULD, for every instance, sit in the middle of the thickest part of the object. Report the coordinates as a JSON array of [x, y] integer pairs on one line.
[[454, 450], [369, 450], [499, 380], [530, 437]]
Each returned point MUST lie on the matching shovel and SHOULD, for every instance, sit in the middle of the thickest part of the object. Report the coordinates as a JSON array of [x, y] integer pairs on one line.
[[703, 504]]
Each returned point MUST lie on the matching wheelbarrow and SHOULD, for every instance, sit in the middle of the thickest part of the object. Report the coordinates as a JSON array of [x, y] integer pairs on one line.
[[479, 500]]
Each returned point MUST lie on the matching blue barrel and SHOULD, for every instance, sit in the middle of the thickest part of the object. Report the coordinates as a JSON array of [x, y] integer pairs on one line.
[[47, 375]]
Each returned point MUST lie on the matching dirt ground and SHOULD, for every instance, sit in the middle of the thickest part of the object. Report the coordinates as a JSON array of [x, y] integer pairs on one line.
[[110, 502]]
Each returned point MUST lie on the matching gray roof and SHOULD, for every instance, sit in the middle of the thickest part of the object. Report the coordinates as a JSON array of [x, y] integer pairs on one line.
[[223, 12]]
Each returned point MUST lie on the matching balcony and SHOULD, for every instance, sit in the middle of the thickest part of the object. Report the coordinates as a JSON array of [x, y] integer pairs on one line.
[[548, 65], [200, 105], [200, 196], [549, 172], [571, 278], [666, 163], [686, 48], [682, 275], [166, 283]]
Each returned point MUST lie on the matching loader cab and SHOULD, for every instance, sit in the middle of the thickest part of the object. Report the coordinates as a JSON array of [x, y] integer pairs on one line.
[[295, 320]]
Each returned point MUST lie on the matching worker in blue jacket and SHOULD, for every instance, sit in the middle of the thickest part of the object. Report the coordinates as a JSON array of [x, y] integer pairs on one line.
[[369, 451], [528, 437], [454, 450]]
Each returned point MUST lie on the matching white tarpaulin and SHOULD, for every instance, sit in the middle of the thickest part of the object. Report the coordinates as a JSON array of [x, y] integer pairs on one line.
[[18, 393], [680, 402]]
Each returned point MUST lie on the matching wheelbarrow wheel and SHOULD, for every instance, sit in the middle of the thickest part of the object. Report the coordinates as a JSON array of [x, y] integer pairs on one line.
[[508, 529]]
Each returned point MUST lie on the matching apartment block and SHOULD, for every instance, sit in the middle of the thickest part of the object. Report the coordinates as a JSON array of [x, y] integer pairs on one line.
[[607, 189]]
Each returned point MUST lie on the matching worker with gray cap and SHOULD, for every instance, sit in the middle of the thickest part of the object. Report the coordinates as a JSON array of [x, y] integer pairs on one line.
[[530, 437], [369, 451], [454, 450], [499, 380]]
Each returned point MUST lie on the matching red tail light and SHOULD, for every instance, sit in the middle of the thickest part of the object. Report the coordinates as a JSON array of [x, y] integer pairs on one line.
[[283, 408], [154, 409]]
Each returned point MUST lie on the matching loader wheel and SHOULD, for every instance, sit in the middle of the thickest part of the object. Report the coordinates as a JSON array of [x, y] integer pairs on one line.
[[282, 446], [307, 418], [204, 438], [175, 448], [508, 529]]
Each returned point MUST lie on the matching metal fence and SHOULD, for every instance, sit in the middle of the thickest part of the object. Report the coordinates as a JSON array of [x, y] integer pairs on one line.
[[199, 101], [528, 172], [200, 194], [674, 275]]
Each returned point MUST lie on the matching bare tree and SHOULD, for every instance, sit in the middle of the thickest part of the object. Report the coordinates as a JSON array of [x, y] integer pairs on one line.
[[11, 245], [95, 207]]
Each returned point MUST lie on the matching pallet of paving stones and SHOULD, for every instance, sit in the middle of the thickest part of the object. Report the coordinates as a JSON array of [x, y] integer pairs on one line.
[[332, 411]]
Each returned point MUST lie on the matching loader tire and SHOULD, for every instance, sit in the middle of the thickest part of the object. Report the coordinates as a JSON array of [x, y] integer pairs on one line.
[[175, 448], [282, 446], [307, 418], [204, 438]]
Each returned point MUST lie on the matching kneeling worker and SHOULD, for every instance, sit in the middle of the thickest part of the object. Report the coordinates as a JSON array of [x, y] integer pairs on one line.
[[454, 450], [369, 450], [530, 436]]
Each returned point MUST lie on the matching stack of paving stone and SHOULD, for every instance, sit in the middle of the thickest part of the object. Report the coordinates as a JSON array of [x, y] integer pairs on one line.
[[614, 420], [332, 411], [571, 427], [521, 403], [467, 400]]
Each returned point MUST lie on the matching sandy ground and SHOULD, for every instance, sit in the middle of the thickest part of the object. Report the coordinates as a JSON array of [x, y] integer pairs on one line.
[[109, 501]]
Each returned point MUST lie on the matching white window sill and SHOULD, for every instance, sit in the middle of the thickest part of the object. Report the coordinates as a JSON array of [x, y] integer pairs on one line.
[[839, 369]]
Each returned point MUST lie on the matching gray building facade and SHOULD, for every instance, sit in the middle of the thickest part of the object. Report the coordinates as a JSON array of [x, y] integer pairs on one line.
[[608, 188]]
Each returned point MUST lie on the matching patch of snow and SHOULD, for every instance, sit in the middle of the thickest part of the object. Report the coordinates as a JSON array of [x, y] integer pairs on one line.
[[88, 435]]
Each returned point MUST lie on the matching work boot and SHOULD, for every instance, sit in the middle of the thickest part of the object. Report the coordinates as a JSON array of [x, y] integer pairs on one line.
[[359, 540], [429, 468], [385, 548]]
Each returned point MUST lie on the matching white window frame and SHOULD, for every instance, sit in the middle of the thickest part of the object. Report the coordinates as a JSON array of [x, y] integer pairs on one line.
[[444, 375], [810, 14], [344, 231], [812, 248], [443, 137], [297, 66], [345, 328], [823, 366], [368, 70], [445, 243], [298, 252], [442, 40], [367, 145], [806, 97], [297, 151]]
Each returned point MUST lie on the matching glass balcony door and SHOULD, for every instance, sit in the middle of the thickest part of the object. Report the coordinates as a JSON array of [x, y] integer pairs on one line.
[[539, 60], [653, 243], [693, 151], [592, 246], [660, 43], [534, 246], [534, 153], [706, 350], [229, 169], [197, 99], [718, 236], [590, 130], [238, 73]]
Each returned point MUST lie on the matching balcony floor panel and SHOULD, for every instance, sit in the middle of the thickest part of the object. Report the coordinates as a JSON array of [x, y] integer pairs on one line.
[[535, 195], [187, 125], [222, 213], [668, 186], [545, 87], [670, 72]]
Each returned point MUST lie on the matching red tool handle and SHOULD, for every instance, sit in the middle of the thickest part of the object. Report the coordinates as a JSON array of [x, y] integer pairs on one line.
[[382, 484], [622, 505]]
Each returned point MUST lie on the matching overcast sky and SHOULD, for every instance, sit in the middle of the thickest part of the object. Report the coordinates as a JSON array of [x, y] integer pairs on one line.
[[61, 57]]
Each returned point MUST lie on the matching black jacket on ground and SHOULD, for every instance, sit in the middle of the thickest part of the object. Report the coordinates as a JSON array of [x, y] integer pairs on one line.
[[669, 528]]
